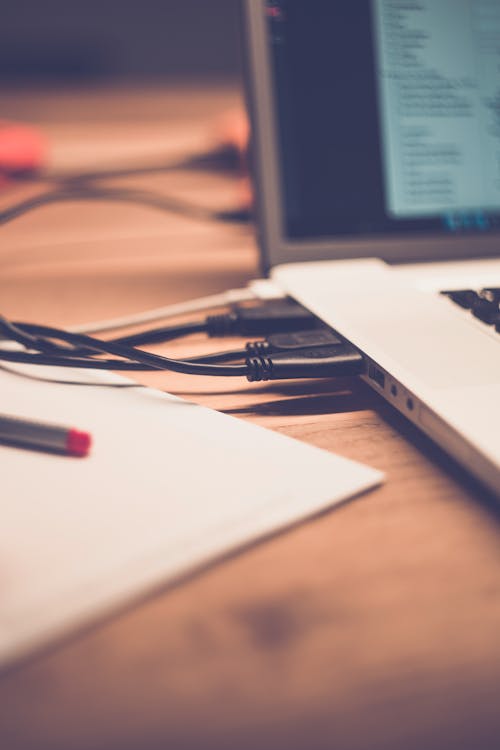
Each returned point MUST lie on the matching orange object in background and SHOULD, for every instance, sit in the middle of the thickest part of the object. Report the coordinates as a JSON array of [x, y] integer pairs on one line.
[[23, 148], [234, 132]]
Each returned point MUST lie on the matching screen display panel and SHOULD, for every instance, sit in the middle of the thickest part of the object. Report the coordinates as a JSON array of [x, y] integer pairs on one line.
[[388, 115]]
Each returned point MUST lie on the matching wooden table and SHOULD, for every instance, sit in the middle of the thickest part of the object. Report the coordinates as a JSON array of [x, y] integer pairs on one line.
[[374, 627]]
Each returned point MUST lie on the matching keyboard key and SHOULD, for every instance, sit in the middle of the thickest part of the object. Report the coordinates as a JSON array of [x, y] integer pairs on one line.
[[463, 297], [484, 305], [486, 311], [490, 293]]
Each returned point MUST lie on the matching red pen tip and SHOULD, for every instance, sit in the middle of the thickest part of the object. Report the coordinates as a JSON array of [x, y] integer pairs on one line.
[[78, 443]]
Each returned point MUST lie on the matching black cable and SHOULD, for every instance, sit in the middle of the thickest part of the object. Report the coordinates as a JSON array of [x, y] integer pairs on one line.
[[307, 354], [166, 333], [268, 318], [59, 356], [30, 335], [26, 339], [141, 197], [326, 362], [280, 319], [129, 353], [217, 357], [298, 341], [35, 337]]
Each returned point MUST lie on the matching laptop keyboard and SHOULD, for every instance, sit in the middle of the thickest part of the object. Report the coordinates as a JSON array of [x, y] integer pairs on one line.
[[484, 304]]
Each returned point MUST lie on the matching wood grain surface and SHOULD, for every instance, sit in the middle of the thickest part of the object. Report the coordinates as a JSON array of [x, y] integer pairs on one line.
[[374, 627]]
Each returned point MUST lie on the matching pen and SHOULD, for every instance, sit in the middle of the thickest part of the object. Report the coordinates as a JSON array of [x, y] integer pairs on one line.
[[45, 436]]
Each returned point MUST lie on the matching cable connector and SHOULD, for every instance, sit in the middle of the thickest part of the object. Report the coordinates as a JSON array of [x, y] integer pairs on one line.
[[278, 316], [320, 362], [293, 341]]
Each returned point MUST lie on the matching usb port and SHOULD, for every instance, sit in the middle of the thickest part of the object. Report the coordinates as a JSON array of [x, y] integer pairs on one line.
[[376, 375]]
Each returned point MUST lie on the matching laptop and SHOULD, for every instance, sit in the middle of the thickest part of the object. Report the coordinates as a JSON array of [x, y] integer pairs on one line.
[[376, 129]]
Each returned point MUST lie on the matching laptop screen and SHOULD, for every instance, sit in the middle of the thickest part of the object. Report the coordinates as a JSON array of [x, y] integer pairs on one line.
[[388, 115]]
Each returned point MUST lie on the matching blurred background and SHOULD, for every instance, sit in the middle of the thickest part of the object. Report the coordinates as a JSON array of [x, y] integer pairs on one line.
[[119, 89], [65, 40]]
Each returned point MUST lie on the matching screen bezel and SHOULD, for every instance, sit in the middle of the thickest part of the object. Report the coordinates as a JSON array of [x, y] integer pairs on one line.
[[275, 247]]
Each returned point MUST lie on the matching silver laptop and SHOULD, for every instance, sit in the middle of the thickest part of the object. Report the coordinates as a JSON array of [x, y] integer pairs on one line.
[[376, 130]]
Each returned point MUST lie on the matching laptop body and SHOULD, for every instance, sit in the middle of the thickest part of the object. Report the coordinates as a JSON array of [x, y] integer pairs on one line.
[[376, 129]]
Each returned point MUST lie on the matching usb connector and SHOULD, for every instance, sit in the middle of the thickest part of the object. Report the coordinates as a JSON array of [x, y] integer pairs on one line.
[[341, 360], [294, 341], [279, 316]]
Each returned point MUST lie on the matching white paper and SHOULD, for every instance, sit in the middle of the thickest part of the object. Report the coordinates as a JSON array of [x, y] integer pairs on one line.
[[168, 486]]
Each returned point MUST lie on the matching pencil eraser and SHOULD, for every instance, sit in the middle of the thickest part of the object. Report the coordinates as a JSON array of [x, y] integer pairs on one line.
[[78, 443]]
